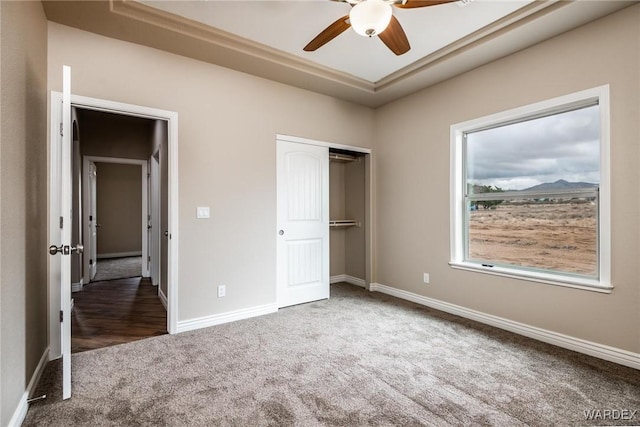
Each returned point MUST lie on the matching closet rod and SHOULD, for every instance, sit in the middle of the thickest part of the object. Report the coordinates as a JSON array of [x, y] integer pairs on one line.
[[342, 157], [344, 223]]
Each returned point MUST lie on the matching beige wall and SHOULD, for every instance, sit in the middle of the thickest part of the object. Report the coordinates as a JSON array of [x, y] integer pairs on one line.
[[337, 211], [228, 123], [412, 147], [119, 208], [23, 195]]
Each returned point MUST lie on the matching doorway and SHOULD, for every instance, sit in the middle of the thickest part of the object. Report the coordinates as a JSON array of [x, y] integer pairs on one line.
[[116, 302], [116, 218], [165, 122]]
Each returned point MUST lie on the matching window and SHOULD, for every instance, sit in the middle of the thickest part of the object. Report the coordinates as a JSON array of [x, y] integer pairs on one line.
[[530, 192]]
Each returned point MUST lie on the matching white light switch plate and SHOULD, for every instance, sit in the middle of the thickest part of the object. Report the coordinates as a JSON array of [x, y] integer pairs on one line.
[[202, 212]]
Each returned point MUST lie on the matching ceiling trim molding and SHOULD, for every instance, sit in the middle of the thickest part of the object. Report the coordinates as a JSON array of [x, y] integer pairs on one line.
[[190, 28], [513, 20], [135, 22], [133, 9]]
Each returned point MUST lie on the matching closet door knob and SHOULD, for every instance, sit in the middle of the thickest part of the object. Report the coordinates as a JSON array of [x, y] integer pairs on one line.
[[281, 232]]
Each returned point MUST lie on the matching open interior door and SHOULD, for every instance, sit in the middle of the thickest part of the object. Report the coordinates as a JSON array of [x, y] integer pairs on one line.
[[61, 160], [303, 223]]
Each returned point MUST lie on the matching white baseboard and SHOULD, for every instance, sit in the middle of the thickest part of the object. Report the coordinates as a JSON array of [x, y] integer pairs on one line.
[[348, 279], [231, 316], [77, 287], [163, 298], [21, 411], [119, 254], [612, 354]]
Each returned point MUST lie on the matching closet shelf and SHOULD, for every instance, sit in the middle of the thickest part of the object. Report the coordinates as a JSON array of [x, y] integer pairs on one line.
[[343, 223]]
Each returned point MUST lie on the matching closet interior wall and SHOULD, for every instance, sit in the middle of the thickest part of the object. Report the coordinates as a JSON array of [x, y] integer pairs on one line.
[[347, 202]]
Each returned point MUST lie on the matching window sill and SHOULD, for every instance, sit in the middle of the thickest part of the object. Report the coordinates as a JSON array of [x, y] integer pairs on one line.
[[547, 278]]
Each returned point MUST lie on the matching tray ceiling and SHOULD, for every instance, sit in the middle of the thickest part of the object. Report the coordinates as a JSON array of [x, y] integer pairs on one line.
[[265, 38]]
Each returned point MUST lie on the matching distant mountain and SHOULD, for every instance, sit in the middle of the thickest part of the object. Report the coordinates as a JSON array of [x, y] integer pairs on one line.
[[560, 184]]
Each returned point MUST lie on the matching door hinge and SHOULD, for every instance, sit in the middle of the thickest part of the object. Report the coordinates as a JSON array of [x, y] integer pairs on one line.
[[61, 222], [61, 130], [90, 217], [90, 262], [149, 258], [61, 316]]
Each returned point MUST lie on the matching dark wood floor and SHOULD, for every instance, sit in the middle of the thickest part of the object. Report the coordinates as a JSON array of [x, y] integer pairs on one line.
[[116, 312]]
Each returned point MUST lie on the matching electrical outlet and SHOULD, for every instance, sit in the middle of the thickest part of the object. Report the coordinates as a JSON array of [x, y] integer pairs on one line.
[[222, 291], [426, 278]]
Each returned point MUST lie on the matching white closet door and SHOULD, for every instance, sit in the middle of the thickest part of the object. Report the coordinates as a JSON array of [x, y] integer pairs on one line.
[[303, 223]]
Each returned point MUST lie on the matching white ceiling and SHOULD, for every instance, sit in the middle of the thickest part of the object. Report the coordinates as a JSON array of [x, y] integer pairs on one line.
[[290, 25], [265, 38]]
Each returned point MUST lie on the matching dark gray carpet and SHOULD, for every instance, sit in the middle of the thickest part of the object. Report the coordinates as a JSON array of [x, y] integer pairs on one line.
[[357, 359], [118, 268]]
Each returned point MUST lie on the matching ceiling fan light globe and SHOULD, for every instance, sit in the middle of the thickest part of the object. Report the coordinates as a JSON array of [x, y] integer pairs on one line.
[[370, 17]]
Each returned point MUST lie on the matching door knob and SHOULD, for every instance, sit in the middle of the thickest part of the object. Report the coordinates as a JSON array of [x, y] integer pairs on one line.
[[65, 250], [166, 234], [281, 232], [53, 249]]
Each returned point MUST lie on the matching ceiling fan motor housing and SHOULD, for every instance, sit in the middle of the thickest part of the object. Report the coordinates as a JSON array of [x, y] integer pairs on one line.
[[370, 17]]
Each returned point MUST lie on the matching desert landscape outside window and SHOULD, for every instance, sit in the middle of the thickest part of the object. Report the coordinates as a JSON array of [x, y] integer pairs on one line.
[[530, 192]]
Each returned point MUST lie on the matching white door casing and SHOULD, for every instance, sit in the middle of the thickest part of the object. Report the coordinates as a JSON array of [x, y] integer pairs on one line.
[[90, 220], [93, 200], [147, 261], [154, 213], [303, 223]]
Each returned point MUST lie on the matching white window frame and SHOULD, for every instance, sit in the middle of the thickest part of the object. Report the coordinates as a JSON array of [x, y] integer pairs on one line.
[[457, 233]]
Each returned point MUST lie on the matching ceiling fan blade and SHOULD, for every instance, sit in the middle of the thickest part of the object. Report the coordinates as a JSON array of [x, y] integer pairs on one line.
[[328, 34], [411, 4], [395, 38]]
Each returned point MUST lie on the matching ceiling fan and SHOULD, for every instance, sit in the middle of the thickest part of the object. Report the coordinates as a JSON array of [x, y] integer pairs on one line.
[[373, 18]]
